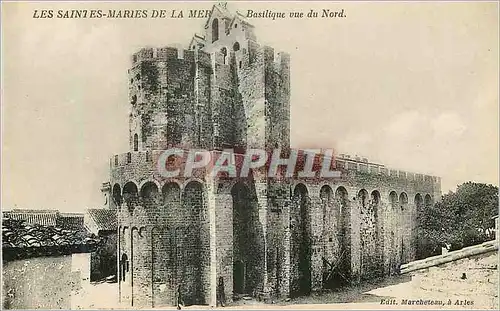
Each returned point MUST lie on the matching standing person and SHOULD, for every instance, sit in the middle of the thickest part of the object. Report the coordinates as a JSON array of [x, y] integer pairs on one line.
[[180, 302], [221, 295]]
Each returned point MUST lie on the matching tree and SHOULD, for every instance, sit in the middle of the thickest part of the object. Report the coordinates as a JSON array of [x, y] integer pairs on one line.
[[460, 219]]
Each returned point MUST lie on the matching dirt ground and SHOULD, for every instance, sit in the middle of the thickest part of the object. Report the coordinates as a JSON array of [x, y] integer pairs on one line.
[[441, 283]]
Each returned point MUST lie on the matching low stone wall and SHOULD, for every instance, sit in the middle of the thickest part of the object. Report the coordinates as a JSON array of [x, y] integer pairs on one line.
[[483, 248]]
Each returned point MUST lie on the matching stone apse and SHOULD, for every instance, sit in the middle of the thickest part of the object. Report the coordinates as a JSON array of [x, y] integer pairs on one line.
[[265, 237]]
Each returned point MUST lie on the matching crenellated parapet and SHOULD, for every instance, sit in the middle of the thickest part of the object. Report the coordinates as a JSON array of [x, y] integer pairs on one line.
[[145, 165]]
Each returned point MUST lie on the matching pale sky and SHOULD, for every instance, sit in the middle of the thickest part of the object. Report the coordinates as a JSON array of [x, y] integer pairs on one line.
[[411, 85]]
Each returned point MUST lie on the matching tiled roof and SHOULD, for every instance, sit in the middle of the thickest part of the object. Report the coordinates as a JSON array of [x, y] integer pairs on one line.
[[104, 219], [41, 217], [72, 221], [20, 239]]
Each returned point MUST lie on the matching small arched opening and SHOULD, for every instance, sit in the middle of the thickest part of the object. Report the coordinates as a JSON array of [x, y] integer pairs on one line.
[[136, 142], [393, 199], [224, 54], [362, 199], [215, 30], [428, 200], [403, 200], [117, 196], [236, 46]]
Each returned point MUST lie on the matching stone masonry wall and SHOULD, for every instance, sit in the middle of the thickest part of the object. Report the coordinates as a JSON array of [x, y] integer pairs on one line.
[[168, 246], [170, 98], [358, 244]]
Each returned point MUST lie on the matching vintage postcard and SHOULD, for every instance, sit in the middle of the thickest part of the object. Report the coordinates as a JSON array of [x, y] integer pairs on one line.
[[250, 155]]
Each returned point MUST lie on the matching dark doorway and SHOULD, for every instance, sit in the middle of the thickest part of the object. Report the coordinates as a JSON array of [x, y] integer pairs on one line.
[[123, 267], [239, 277]]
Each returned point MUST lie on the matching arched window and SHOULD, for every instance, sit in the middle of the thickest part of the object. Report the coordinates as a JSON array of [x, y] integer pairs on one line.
[[236, 46], [215, 30], [117, 195], [224, 52], [136, 142]]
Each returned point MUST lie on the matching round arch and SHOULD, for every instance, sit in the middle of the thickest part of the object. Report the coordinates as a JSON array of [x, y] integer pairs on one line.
[[428, 200], [192, 187], [341, 192], [130, 194], [236, 46], [171, 193], [418, 201], [149, 193], [190, 181], [300, 191], [130, 186], [362, 197], [393, 198], [149, 181], [403, 200], [375, 197], [171, 181], [326, 193]]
